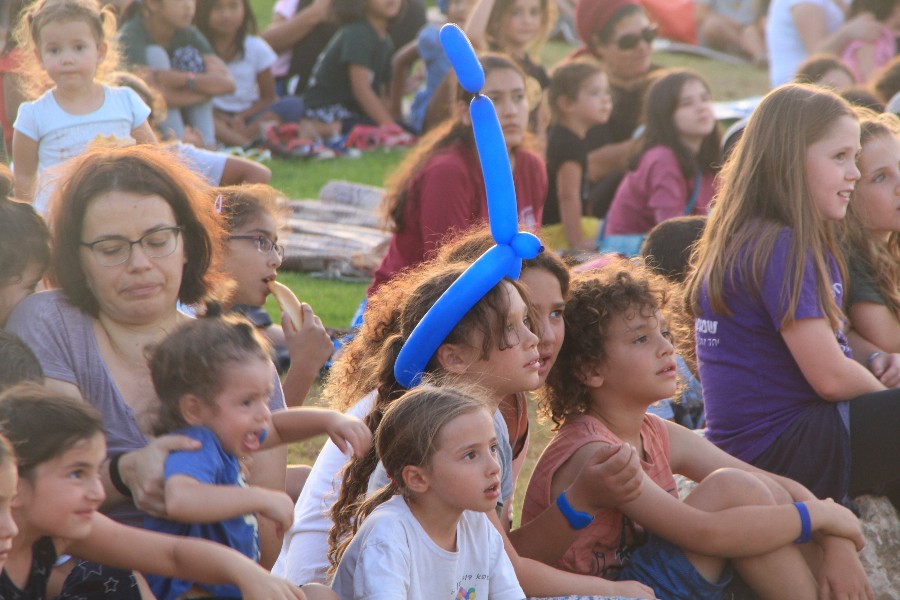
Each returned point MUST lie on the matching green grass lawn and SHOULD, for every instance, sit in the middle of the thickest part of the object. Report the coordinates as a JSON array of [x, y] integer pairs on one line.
[[335, 301]]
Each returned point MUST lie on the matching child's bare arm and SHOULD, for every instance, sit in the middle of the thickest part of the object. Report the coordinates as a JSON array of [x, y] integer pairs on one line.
[[597, 476], [738, 531], [369, 101], [476, 25], [541, 580], [309, 347], [267, 95], [189, 501], [832, 375], [124, 547], [143, 134], [297, 424], [568, 193], [25, 158], [216, 80], [401, 63]]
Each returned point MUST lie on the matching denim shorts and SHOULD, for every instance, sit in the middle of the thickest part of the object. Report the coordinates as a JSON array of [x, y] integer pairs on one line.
[[665, 568]]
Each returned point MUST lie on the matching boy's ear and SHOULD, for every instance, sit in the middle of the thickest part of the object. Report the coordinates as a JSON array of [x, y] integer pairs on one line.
[[102, 49], [592, 374], [454, 358], [415, 479], [192, 409]]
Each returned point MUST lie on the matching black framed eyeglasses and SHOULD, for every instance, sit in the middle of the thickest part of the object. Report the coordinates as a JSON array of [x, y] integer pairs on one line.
[[263, 244], [630, 41], [115, 250]]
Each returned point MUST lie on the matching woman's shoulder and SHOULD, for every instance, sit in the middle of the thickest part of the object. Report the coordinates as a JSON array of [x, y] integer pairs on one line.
[[49, 306]]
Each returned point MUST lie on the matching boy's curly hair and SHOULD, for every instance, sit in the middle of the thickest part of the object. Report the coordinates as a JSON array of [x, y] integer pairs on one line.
[[623, 287]]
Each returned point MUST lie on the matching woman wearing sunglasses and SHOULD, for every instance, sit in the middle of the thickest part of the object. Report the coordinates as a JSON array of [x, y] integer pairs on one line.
[[619, 34], [134, 233]]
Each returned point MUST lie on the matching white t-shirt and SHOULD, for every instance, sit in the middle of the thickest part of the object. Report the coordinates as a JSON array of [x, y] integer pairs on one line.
[[258, 56], [391, 557], [786, 50], [303, 557], [61, 135]]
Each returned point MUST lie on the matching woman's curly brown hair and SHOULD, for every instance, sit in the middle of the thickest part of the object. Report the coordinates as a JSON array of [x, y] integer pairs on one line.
[[623, 287]]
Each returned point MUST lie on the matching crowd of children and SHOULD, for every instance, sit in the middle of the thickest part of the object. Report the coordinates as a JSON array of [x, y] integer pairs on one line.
[[142, 416]]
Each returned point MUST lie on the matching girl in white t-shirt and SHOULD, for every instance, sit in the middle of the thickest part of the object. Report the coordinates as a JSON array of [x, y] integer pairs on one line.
[[230, 26], [425, 534], [67, 42]]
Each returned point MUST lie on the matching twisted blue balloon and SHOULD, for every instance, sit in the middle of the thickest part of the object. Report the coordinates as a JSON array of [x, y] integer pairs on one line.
[[512, 245]]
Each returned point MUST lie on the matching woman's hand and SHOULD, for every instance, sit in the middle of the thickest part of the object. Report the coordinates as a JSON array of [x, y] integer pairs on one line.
[[143, 471], [345, 429]]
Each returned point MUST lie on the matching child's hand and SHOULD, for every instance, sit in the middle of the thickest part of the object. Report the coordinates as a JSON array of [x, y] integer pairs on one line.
[[831, 518], [276, 506], [886, 367], [308, 342], [259, 584], [610, 478], [344, 429]]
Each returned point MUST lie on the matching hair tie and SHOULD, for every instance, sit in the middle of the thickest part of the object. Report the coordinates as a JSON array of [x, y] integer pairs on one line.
[[512, 245], [213, 310], [220, 200]]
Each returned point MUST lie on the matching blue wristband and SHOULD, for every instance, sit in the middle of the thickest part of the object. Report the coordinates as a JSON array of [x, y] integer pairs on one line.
[[578, 520], [805, 524]]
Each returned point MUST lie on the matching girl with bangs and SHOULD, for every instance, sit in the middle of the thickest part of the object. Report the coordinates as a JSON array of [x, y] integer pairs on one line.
[[782, 390]]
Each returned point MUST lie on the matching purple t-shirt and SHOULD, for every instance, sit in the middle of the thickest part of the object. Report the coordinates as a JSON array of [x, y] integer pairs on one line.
[[752, 386], [63, 340], [654, 192]]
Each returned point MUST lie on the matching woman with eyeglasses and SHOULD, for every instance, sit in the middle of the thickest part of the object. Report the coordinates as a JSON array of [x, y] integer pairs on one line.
[[618, 34], [133, 233]]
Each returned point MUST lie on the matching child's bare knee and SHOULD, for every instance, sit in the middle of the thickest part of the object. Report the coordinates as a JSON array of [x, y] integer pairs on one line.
[[725, 488]]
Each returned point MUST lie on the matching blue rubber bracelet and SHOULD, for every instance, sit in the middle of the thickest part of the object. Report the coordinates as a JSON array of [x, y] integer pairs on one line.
[[805, 524]]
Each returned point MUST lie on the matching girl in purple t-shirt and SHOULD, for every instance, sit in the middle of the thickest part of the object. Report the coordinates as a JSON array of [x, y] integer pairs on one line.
[[677, 158], [766, 296]]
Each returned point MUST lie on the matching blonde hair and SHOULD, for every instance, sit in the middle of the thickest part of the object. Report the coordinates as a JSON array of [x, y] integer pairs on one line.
[[882, 259], [100, 19], [763, 189]]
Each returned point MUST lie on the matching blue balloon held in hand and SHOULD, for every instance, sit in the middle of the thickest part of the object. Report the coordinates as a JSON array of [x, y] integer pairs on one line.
[[504, 259]]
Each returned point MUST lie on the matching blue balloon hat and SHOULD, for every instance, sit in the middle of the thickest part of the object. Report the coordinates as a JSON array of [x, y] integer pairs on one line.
[[512, 245]]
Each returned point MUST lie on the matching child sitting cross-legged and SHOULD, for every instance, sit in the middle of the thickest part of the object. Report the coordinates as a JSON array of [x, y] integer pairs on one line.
[[617, 359], [213, 377]]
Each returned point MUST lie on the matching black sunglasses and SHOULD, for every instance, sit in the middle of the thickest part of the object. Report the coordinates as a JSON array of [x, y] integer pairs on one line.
[[629, 41]]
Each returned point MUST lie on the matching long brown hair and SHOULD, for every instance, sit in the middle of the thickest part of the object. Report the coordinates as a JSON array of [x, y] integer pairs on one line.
[[146, 170], [488, 317], [763, 190], [457, 130], [407, 436], [662, 101], [883, 259]]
